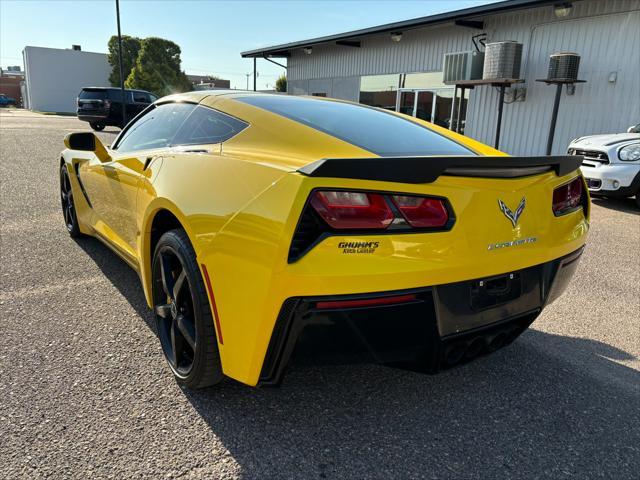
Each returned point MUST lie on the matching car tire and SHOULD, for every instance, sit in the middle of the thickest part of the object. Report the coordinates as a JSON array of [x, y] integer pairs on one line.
[[98, 127], [68, 205], [184, 320], [638, 199]]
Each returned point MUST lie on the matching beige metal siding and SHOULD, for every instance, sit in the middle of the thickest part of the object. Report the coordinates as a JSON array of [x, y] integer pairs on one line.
[[605, 33], [608, 42], [419, 51]]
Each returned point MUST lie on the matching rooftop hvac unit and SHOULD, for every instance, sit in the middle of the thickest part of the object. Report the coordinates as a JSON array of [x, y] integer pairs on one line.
[[463, 66], [563, 66], [502, 60]]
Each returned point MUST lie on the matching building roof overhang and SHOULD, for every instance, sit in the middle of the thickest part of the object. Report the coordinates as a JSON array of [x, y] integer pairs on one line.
[[468, 17]]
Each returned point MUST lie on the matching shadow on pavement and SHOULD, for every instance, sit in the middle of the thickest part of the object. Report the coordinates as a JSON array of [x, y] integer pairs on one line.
[[123, 277], [626, 205], [547, 406]]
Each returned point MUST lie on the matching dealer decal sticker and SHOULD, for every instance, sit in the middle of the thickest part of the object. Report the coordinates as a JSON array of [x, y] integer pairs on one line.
[[358, 247]]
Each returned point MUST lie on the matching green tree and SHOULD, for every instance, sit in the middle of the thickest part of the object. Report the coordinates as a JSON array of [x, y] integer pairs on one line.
[[281, 83], [157, 68], [130, 50]]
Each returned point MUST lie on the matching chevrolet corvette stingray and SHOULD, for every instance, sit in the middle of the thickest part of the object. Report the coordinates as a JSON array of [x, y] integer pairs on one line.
[[264, 227]]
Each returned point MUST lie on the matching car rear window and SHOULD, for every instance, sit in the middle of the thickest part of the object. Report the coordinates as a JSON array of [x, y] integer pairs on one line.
[[377, 131], [141, 97], [93, 94], [115, 94]]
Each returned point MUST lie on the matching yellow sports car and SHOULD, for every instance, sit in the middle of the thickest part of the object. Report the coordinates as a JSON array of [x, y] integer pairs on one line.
[[266, 226]]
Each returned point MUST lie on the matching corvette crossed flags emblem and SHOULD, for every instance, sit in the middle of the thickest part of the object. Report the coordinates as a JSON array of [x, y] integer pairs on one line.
[[513, 216]]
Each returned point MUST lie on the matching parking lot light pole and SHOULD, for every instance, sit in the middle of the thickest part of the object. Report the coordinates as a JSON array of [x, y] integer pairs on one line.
[[120, 64]]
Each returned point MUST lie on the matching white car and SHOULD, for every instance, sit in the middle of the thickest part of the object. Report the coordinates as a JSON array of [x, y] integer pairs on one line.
[[611, 164]]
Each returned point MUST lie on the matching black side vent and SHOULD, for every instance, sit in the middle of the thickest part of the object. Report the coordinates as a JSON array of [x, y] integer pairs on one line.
[[309, 229]]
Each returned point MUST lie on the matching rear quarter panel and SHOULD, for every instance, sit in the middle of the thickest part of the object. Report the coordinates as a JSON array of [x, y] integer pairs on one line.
[[204, 191]]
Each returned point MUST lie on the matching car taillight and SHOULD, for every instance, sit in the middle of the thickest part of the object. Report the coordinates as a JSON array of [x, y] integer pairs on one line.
[[567, 197], [422, 212], [352, 210], [341, 212]]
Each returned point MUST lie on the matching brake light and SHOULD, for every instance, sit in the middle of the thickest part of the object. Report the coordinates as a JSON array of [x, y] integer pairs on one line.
[[352, 210], [422, 212], [567, 197]]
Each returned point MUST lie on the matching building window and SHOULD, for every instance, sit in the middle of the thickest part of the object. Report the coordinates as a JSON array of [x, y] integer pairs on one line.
[[379, 90], [420, 94], [422, 80]]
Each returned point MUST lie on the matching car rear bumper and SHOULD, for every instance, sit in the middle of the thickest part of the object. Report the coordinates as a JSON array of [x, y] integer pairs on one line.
[[93, 117], [426, 329], [613, 180]]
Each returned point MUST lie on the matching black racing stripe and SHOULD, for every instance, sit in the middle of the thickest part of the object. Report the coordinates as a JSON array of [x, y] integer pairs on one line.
[[615, 142]]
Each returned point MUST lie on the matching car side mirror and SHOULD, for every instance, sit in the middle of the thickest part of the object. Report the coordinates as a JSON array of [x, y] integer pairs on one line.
[[87, 142]]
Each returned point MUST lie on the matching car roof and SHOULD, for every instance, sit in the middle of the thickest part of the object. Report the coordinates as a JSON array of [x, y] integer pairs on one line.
[[114, 88], [213, 93]]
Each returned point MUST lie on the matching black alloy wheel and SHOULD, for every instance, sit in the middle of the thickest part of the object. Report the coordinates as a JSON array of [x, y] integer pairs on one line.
[[183, 316], [68, 207]]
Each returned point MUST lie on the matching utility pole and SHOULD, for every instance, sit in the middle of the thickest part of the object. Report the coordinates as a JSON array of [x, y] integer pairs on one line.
[[254, 74], [124, 120], [248, 75]]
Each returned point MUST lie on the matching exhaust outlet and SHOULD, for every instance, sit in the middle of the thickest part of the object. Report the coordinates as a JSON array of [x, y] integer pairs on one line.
[[497, 341], [455, 353], [512, 335], [475, 347]]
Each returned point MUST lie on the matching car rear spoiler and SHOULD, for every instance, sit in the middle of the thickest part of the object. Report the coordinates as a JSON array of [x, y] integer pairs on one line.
[[428, 169]]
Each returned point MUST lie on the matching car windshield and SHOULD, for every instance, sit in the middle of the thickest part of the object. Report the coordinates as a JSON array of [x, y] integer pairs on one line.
[[377, 131], [93, 94]]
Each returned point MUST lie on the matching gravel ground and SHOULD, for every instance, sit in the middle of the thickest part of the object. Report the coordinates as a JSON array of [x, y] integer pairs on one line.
[[85, 391]]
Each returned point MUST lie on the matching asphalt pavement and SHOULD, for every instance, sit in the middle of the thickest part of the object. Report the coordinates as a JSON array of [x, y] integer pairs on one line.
[[85, 391]]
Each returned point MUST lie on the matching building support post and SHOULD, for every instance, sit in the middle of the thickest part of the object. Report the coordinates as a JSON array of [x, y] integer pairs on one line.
[[462, 90], [453, 109], [124, 106], [254, 74]]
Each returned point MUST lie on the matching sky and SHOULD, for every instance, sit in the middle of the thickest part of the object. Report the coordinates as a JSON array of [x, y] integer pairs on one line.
[[210, 33]]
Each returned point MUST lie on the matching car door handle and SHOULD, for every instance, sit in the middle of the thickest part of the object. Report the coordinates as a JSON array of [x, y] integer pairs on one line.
[[196, 150]]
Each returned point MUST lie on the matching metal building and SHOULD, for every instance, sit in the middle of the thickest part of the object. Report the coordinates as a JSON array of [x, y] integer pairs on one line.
[[54, 77], [399, 66]]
